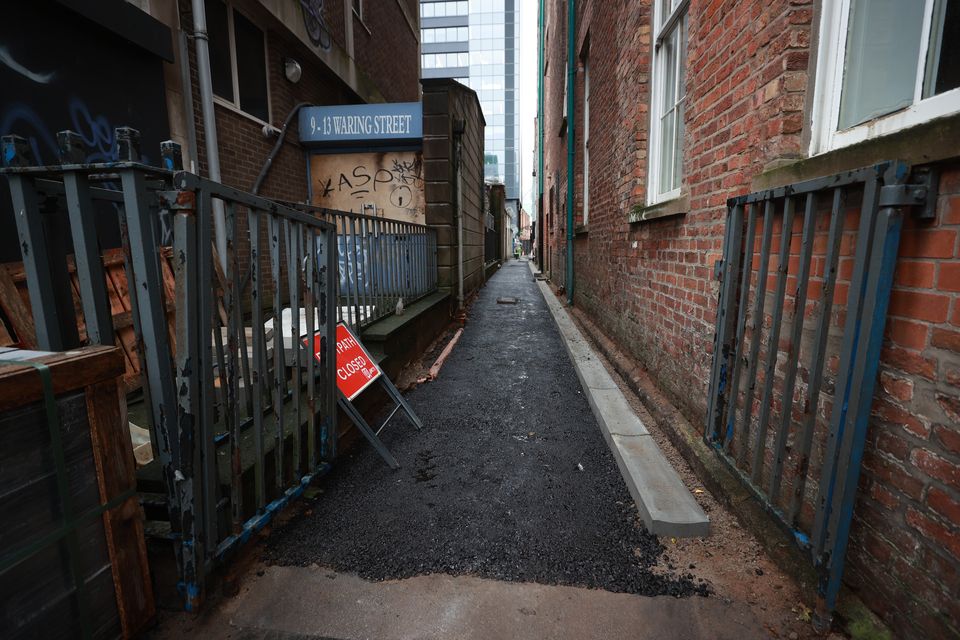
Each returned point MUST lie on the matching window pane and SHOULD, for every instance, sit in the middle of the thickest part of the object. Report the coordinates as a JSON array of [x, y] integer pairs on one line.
[[943, 58], [220, 69], [669, 68], [883, 50], [665, 10], [251, 67], [667, 147]]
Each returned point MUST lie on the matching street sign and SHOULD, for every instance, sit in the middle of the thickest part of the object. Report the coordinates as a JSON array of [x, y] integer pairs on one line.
[[356, 370], [375, 123]]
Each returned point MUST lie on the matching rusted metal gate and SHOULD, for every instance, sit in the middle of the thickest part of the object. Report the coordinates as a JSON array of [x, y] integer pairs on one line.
[[806, 276], [242, 417]]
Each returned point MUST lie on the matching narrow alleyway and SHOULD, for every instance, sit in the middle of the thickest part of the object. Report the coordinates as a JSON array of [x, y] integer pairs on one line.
[[510, 478], [508, 519]]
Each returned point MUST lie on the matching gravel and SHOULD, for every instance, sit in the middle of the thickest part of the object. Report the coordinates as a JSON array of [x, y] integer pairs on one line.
[[510, 478]]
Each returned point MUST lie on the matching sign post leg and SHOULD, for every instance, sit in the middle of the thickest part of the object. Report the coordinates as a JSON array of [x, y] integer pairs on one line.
[[368, 433], [394, 393]]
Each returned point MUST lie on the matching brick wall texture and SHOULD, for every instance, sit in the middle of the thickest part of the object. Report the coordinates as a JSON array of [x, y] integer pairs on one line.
[[649, 285]]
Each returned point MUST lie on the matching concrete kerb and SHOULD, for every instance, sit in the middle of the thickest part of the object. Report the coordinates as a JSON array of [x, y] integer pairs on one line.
[[665, 505]]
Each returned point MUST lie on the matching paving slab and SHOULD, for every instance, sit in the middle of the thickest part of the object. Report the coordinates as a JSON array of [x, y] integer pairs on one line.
[[288, 603], [665, 505]]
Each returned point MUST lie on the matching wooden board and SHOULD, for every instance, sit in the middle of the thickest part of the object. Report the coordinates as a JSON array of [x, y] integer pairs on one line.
[[123, 526], [69, 371], [15, 307], [6, 339], [38, 593], [17, 314]]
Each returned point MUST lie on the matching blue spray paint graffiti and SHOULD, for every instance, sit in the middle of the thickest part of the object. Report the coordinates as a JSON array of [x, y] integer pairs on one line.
[[357, 256], [96, 131], [313, 21], [22, 120]]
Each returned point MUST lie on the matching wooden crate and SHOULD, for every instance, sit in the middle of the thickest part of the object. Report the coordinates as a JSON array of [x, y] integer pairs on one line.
[[16, 319], [37, 594]]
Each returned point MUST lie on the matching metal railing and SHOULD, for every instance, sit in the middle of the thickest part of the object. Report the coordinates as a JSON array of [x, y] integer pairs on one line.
[[380, 262], [788, 424], [243, 415]]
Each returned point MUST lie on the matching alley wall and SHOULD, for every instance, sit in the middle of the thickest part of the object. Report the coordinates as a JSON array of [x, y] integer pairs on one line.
[[644, 273], [445, 104]]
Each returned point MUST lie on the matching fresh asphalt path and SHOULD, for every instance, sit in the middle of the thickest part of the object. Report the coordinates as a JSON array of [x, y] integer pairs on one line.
[[509, 479]]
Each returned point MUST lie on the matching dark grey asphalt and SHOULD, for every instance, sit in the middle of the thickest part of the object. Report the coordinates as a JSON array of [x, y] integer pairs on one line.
[[491, 487]]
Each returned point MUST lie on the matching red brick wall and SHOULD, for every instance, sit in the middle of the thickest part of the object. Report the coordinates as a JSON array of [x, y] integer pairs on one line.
[[649, 285], [905, 543], [386, 46]]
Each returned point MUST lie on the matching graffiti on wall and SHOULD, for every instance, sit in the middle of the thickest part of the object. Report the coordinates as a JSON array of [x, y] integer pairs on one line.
[[316, 26], [391, 182], [95, 130], [55, 76]]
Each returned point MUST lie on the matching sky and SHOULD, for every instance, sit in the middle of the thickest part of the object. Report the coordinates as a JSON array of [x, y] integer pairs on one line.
[[527, 82]]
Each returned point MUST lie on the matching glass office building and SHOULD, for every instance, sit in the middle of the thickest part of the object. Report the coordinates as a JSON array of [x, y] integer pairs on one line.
[[475, 42]]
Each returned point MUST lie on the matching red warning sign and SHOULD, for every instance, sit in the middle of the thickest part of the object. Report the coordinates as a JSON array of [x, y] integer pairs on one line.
[[356, 370]]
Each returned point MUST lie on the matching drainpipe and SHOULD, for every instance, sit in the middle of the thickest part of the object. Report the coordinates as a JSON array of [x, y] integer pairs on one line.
[[571, 139], [184, 56], [459, 126], [540, 54], [209, 122]]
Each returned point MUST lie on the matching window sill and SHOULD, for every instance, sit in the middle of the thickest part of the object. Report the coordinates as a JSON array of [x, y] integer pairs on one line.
[[220, 102], [676, 207], [581, 230], [925, 143]]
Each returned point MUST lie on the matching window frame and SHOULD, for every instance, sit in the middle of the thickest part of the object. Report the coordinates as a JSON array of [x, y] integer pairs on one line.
[[828, 87], [672, 22], [234, 105], [357, 7]]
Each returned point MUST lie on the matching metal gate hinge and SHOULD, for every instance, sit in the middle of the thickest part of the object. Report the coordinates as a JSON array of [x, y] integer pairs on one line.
[[920, 191]]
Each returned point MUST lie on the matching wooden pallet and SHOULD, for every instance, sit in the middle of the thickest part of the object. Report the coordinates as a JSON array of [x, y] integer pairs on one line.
[[39, 600], [16, 319]]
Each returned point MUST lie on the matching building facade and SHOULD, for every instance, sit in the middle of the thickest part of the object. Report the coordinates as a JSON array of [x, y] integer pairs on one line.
[[476, 43], [337, 52], [672, 107], [347, 53], [267, 58]]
